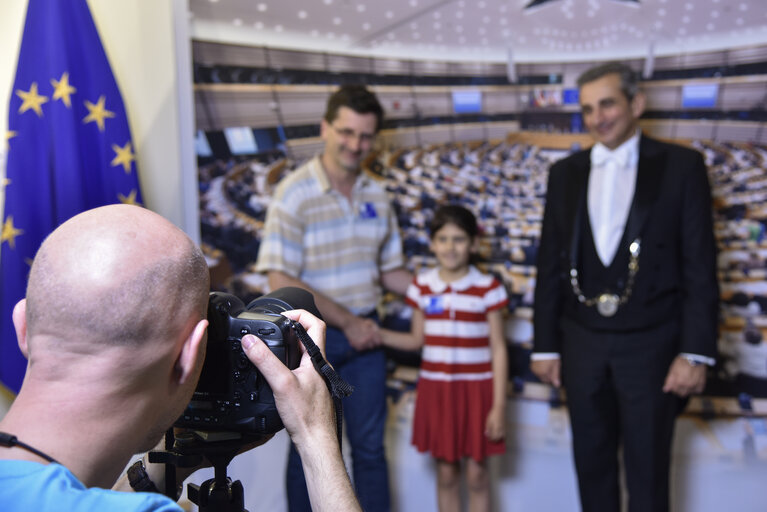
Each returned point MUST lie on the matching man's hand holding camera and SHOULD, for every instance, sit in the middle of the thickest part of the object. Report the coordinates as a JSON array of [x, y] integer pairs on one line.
[[306, 410]]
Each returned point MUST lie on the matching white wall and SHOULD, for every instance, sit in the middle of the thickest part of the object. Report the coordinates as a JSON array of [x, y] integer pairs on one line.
[[147, 43]]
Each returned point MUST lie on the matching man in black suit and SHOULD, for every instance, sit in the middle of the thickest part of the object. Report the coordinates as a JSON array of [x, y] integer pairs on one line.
[[626, 298]]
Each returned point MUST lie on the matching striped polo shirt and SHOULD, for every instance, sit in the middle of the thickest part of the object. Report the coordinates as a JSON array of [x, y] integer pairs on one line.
[[338, 247], [456, 330]]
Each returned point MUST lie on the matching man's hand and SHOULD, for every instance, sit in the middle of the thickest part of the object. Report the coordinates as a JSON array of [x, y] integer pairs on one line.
[[306, 409], [684, 379], [548, 370], [363, 333], [301, 397]]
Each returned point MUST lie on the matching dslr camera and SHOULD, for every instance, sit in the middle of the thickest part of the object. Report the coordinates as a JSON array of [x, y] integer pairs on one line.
[[232, 396]]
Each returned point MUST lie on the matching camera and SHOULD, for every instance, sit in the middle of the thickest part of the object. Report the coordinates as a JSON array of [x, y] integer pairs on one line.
[[232, 395]]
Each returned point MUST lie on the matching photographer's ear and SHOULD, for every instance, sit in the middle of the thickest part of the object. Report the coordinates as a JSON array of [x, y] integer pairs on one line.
[[192, 353], [19, 317]]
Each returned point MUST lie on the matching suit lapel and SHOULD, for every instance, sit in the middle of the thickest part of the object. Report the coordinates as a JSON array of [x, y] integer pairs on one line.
[[649, 177], [575, 198]]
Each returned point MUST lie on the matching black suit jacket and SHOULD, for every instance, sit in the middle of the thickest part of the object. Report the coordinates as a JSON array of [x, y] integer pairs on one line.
[[671, 212]]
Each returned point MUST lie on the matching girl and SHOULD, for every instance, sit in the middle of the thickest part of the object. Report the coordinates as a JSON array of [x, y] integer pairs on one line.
[[461, 393]]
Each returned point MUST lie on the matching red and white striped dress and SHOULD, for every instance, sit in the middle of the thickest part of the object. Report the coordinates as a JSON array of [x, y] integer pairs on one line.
[[455, 386]]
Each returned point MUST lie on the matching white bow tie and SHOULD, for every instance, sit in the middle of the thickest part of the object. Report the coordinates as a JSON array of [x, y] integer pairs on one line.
[[600, 155]]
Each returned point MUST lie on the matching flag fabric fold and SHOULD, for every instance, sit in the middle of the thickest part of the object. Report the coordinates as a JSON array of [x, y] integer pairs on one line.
[[68, 144]]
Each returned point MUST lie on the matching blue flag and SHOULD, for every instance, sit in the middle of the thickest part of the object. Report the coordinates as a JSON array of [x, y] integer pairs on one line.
[[69, 148]]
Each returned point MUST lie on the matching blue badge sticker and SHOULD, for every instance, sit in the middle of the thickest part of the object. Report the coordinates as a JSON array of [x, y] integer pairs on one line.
[[435, 304], [368, 211]]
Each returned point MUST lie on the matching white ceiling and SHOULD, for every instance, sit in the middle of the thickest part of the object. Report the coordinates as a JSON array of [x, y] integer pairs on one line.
[[485, 30]]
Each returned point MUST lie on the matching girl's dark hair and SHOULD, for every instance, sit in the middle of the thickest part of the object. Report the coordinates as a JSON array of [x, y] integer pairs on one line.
[[454, 214]]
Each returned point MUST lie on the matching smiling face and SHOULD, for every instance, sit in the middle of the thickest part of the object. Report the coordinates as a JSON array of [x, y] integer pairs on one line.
[[348, 139], [610, 117], [452, 247]]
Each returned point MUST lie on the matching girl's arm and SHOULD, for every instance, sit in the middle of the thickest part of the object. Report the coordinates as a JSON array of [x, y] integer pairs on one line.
[[412, 340], [495, 425]]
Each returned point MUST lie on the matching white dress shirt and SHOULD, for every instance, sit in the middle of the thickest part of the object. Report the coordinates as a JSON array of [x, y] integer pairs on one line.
[[611, 189]]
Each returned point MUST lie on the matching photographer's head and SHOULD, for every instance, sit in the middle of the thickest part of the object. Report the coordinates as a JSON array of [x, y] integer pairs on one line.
[[114, 321]]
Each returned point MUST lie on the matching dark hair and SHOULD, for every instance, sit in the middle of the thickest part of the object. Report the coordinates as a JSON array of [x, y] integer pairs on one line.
[[454, 214], [629, 77], [357, 98]]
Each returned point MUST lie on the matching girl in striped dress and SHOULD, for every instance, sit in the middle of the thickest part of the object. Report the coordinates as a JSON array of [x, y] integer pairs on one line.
[[461, 392]]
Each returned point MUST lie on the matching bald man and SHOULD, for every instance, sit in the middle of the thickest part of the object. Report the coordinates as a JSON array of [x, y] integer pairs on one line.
[[113, 327]]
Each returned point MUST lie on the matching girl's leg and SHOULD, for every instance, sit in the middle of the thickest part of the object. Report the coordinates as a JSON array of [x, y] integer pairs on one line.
[[478, 484], [448, 486]]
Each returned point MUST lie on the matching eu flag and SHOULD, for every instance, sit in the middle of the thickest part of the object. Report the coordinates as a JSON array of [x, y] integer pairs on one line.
[[69, 148]]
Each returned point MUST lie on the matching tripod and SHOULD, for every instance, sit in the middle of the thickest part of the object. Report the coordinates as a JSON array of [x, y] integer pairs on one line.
[[217, 494]]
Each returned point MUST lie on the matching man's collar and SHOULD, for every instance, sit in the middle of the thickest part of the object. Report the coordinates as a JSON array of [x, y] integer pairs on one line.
[[625, 154], [319, 171]]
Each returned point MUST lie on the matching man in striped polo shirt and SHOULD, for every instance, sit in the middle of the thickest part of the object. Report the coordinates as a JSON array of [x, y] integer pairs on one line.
[[331, 229]]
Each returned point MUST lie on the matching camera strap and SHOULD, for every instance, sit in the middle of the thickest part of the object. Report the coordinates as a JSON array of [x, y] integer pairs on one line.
[[9, 441], [337, 386]]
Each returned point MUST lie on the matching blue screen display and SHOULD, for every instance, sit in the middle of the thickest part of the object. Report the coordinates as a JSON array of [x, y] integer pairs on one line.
[[467, 102], [699, 95]]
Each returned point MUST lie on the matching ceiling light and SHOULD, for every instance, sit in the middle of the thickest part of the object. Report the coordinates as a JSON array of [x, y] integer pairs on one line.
[[413, 3], [389, 14], [261, 7], [366, 26], [361, 7], [336, 21], [302, 15], [278, 28], [237, 22]]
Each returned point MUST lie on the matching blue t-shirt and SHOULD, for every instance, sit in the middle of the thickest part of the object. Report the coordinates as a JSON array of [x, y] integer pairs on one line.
[[27, 486]]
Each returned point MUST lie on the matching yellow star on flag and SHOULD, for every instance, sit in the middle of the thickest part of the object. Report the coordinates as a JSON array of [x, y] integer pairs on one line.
[[10, 232], [97, 113], [8, 136], [131, 199], [123, 156], [4, 182], [62, 89], [31, 100]]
